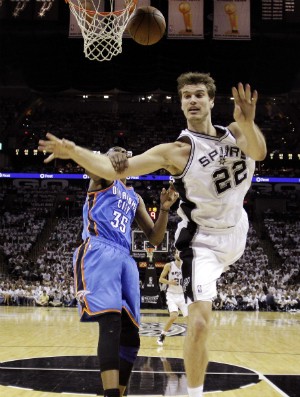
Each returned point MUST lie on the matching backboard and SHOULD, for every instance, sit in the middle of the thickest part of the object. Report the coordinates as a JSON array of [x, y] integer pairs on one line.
[[140, 242]]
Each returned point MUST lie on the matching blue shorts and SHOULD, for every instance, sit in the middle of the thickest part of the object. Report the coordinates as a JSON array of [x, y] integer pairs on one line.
[[106, 280]]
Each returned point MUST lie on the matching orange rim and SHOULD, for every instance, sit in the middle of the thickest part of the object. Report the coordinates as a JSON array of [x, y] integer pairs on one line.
[[104, 14]]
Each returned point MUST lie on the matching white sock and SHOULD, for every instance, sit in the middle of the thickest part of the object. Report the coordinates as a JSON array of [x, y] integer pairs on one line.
[[195, 391]]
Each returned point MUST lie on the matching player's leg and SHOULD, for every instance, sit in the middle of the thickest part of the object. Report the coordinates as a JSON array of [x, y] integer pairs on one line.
[[99, 293], [119, 333], [199, 299], [129, 339], [204, 260], [129, 347], [173, 317], [173, 310], [108, 352], [183, 306], [162, 336], [195, 345]]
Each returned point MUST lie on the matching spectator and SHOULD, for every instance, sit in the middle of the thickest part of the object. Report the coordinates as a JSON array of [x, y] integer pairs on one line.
[[43, 300], [56, 300], [218, 302]]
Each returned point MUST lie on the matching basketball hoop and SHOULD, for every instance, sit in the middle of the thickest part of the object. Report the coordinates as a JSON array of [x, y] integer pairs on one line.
[[101, 30], [150, 253]]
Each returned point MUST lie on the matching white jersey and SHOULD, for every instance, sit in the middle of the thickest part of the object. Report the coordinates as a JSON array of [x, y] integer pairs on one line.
[[214, 182], [175, 274]]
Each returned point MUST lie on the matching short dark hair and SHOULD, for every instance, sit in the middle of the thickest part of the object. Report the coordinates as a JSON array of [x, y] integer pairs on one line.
[[119, 149], [193, 78], [116, 149]]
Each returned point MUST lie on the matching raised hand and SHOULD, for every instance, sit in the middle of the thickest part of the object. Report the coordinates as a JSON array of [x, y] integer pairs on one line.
[[244, 103], [59, 148], [168, 197]]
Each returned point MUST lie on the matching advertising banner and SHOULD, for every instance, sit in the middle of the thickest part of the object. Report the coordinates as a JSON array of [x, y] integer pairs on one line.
[[150, 294]]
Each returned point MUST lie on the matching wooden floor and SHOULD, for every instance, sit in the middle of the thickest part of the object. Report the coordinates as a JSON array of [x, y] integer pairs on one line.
[[244, 346]]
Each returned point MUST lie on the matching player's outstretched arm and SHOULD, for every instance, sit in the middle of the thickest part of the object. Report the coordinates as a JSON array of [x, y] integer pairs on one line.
[[249, 136], [150, 161], [65, 149]]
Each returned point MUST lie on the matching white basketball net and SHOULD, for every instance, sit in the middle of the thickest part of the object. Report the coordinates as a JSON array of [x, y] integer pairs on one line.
[[101, 29], [150, 253]]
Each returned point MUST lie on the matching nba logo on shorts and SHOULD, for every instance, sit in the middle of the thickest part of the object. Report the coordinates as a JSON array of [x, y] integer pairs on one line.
[[199, 289]]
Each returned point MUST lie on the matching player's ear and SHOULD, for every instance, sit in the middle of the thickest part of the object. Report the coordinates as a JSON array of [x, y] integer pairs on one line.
[[212, 104]]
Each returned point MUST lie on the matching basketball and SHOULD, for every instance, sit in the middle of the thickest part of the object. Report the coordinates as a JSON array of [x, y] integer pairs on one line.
[[147, 25]]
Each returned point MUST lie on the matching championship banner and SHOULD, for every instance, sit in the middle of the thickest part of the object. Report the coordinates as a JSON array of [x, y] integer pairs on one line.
[[185, 19], [150, 294], [231, 20]]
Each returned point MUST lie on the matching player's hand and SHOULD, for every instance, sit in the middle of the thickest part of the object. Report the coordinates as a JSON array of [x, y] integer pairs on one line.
[[244, 103], [59, 148], [168, 197], [118, 160]]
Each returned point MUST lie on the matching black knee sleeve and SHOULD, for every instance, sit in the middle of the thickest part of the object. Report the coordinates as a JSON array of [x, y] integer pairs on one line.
[[129, 347], [109, 341], [125, 372], [130, 333]]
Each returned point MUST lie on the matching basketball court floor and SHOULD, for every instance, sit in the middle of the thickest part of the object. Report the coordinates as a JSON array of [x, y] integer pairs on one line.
[[47, 352]]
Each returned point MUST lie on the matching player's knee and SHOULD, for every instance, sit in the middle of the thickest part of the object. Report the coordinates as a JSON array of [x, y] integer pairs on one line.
[[129, 347], [129, 353], [130, 336], [173, 316], [109, 337], [198, 328], [129, 342]]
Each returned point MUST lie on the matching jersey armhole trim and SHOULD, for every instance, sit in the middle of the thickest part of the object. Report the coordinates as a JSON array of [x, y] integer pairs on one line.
[[186, 168]]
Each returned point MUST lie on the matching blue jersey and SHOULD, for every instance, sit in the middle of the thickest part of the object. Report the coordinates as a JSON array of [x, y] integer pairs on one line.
[[109, 213]]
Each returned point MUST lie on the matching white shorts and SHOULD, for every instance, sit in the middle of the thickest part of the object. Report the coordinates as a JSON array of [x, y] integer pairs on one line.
[[206, 255], [176, 302]]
